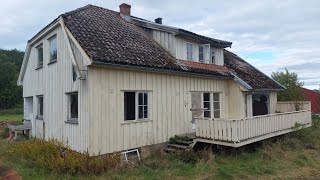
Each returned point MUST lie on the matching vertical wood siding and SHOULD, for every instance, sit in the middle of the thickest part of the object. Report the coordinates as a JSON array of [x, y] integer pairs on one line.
[[170, 103], [53, 81]]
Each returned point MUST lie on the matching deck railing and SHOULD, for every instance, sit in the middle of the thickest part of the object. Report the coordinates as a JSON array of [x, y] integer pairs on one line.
[[252, 127], [289, 106]]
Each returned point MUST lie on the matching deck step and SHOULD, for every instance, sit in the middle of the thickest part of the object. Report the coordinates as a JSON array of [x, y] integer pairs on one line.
[[184, 142], [171, 150], [177, 146]]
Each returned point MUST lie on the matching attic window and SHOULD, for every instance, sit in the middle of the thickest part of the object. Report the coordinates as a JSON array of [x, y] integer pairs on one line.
[[40, 56], [213, 57], [53, 48], [189, 51], [201, 54]]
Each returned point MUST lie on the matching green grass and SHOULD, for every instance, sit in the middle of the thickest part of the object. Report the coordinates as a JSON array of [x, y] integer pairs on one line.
[[11, 117], [296, 155]]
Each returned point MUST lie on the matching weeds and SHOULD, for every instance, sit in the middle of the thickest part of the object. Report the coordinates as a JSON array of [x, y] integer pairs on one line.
[[54, 156]]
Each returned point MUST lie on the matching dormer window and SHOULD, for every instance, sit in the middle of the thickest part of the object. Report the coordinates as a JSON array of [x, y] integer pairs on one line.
[[213, 57], [204, 53], [189, 51], [201, 54]]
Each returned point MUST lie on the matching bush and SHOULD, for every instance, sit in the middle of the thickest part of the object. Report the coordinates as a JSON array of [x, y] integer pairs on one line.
[[54, 156]]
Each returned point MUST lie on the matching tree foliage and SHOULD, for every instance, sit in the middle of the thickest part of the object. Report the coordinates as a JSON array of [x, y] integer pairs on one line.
[[10, 63], [290, 80]]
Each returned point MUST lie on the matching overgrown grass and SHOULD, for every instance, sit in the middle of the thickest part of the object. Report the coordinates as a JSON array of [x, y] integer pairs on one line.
[[11, 117], [295, 155]]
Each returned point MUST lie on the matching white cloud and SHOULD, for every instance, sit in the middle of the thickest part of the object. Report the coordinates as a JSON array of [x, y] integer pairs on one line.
[[288, 29]]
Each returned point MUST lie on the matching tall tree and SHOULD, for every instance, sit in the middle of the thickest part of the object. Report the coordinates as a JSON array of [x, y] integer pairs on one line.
[[290, 80], [10, 63]]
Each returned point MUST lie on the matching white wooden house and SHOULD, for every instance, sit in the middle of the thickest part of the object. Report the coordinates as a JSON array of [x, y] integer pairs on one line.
[[103, 81]]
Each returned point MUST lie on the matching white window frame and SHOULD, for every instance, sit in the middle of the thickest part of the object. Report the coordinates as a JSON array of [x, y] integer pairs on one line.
[[136, 94], [53, 37], [192, 51], [212, 56], [38, 59], [72, 119], [212, 107], [40, 116], [206, 53]]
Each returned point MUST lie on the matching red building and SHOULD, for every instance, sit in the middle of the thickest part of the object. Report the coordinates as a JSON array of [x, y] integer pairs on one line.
[[314, 97]]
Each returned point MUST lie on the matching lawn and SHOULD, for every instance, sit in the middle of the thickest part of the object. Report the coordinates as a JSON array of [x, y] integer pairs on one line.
[[10, 117], [292, 156]]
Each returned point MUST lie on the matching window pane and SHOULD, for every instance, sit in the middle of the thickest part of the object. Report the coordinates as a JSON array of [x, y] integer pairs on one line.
[[217, 114], [206, 105], [206, 96], [53, 48], [207, 114], [41, 106], [140, 98], [216, 97], [74, 73], [213, 61], [40, 56], [201, 54], [74, 105], [145, 112], [140, 112], [145, 98], [129, 106], [189, 51], [216, 105]]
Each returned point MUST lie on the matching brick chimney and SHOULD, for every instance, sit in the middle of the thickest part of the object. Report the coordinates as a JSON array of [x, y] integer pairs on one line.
[[125, 9]]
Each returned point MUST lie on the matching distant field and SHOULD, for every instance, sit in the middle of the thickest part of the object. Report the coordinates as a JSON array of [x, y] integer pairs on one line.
[[11, 117]]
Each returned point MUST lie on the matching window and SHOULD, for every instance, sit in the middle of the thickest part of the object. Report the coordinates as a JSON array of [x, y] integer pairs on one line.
[[74, 73], [211, 105], [189, 51], [53, 48], [40, 55], [201, 54], [213, 57], [135, 105], [73, 106], [216, 105], [40, 107], [206, 105]]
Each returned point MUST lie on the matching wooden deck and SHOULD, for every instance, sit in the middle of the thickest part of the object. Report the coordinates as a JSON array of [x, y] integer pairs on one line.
[[240, 132]]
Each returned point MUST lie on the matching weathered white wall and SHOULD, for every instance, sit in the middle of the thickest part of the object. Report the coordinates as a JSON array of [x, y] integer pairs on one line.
[[170, 103], [53, 81]]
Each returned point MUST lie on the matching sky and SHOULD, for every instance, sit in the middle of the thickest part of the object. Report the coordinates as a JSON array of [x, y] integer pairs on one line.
[[270, 34]]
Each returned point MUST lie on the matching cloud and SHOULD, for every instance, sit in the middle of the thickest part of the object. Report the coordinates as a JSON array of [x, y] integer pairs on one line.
[[270, 34]]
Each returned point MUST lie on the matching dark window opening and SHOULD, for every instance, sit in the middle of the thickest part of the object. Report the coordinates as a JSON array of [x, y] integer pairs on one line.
[[40, 56], [206, 105], [40, 113], [74, 73], [260, 104], [74, 105], [129, 105]]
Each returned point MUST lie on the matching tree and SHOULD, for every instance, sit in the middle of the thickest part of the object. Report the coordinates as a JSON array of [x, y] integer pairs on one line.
[[290, 80], [10, 63]]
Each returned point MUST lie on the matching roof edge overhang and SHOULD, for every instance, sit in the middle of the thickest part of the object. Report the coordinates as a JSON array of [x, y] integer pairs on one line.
[[161, 70], [178, 31]]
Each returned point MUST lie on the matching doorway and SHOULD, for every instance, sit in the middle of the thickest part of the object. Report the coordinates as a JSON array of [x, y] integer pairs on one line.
[[260, 104]]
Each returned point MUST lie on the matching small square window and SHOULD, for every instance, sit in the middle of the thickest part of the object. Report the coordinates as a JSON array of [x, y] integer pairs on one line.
[[53, 48]]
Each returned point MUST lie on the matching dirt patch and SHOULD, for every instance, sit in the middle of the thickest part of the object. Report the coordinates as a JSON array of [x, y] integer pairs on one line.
[[12, 175]]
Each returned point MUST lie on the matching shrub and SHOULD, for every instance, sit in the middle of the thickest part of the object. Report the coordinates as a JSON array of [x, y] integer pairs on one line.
[[54, 156]]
